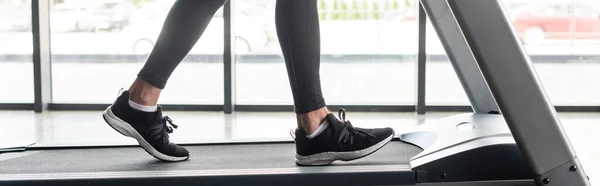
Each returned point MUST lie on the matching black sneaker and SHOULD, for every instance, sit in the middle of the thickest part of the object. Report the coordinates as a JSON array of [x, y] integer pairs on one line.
[[339, 141], [150, 129]]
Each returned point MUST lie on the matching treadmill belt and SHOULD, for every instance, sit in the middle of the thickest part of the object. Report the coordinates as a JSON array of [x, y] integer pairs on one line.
[[240, 164], [203, 157]]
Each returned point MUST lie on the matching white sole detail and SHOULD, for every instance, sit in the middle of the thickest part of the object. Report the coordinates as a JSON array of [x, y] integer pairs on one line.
[[127, 130], [326, 158]]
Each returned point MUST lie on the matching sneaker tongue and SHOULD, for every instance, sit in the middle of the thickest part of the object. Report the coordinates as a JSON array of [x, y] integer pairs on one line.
[[157, 114], [334, 122]]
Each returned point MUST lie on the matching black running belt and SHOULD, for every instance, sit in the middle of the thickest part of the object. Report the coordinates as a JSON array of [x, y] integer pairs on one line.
[[253, 164]]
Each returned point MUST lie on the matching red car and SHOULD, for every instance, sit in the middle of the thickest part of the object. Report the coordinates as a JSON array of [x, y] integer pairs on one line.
[[538, 22]]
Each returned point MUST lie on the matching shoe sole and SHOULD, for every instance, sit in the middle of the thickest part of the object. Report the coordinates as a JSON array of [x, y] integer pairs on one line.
[[127, 130], [326, 158]]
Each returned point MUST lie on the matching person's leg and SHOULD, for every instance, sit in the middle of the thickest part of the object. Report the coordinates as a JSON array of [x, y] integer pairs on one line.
[[299, 37], [135, 113], [321, 138], [182, 28]]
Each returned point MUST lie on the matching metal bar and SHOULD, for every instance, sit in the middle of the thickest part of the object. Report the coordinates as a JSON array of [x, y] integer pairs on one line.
[[352, 108], [460, 56], [99, 107], [228, 59], [42, 72], [517, 90], [577, 108], [16, 106], [421, 59], [449, 108]]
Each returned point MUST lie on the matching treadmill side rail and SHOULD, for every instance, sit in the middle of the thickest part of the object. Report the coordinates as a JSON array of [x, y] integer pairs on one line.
[[515, 86]]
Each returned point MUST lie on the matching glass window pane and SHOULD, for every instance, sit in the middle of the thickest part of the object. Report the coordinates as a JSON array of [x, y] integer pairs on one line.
[[561, 38], [367, 53], [442, 84], [564, 48], [99, 47], [16, 48]]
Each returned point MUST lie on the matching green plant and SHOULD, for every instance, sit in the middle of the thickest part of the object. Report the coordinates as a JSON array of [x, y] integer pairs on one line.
[[355, 15], [395, 5], [140, 2], [343, 12], [334, 14], [322, 10], [375, 11]]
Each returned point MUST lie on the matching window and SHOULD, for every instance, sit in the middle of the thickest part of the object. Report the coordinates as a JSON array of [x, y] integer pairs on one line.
[[563, 50], [367, 53], [551, 10], [442, 86], [583, 11], [100, 48], [16, 49]]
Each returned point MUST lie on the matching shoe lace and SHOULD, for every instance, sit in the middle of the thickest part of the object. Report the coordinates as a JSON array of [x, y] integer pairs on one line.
[[348, 133], [162, 128]]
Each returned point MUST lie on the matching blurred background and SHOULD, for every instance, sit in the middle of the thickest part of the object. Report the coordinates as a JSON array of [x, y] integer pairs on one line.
[[368, 52]]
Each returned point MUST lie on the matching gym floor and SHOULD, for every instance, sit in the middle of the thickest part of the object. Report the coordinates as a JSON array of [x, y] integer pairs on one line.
[[87, 128]]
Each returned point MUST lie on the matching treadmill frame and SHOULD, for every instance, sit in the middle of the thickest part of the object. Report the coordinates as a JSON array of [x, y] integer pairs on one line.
[[492, 66]]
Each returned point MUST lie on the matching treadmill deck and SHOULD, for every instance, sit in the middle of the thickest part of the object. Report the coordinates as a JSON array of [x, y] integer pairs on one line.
[[215, 164]]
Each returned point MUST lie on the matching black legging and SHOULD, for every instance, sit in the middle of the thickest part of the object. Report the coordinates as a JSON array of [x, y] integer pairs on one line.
[[297, 25]]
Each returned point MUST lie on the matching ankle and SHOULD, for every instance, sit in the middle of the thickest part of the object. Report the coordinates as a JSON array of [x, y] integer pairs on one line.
[[142, 99], [312, 120], [144, 93]]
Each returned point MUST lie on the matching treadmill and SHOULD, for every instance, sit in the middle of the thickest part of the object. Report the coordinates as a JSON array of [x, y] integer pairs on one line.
[[513, 137]]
